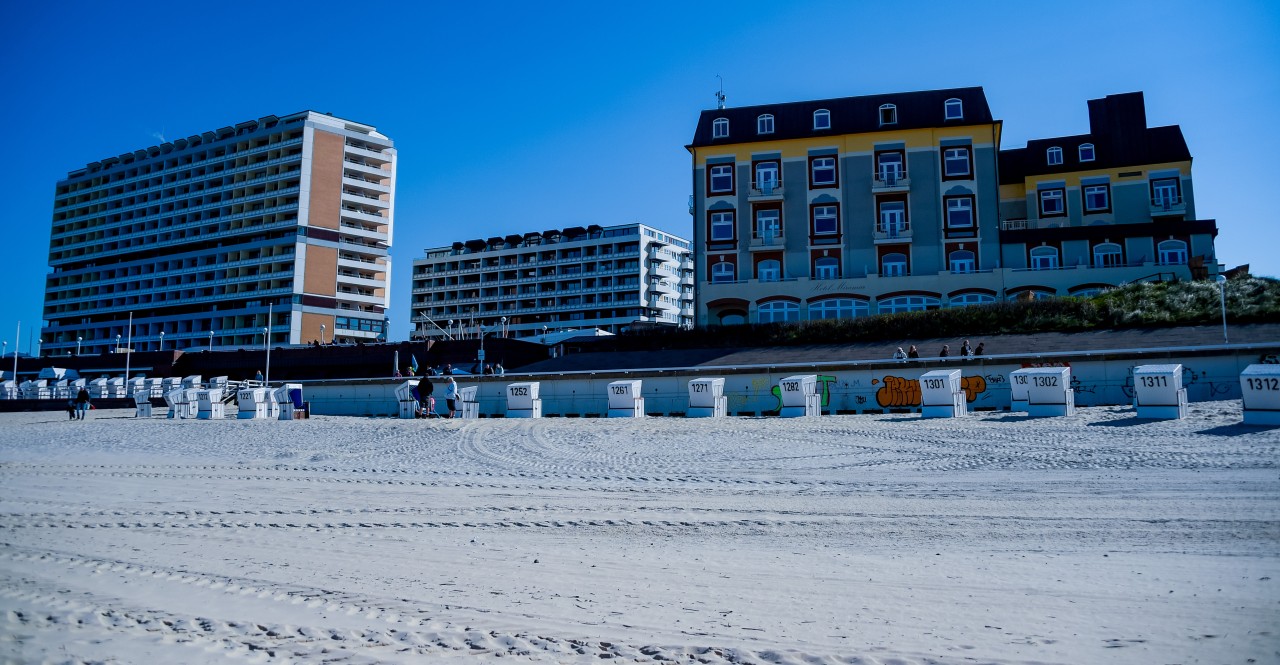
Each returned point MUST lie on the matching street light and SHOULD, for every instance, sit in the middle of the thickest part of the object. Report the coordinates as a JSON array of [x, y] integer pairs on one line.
[[210, 341], [1222, 298], [266, 343], [322, 334], [162, 340], [118, 347], [450, 333], [504, 327]]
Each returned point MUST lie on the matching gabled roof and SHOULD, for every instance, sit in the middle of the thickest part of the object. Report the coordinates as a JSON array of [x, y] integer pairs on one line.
[[849, 115]]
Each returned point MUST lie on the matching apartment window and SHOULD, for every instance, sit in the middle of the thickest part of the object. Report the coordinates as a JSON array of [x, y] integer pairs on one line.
[[1086, 152], [1107, 255], [890, 167], [1097, 198], [778, 311], [1054, 156], [721, 226], [888, 115], [720, 128], [822, 172], [769, 270], [1044, 258], [838, 308], [826, 220], [826, 267], [893, 265], [1164, 193], [721, 179], [960, 212], [956, 163], [768, 223], [1051, 203], [954, 109], [822, 119], [723, 272], [893, 218], [766, 177], [1172, 252], [906, 304], [764, 124], [962, 260]]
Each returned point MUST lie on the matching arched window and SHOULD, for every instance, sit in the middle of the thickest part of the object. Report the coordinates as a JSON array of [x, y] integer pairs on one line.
[[764, 124], [1054, 156], [769, 270], [888, 114], [1107, 255], [1032, 294], [966, 299], [906, 304], [720, 128], [1044, 258], [826, 267], [838, 308], [893, 265], [723, 272], [733, 318], [1172, 252], [822, 119], [1086, 152], [961, 261], [778, 311], [954, 108]]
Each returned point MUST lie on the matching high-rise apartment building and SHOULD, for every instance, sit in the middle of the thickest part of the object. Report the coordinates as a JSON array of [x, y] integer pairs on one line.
[[888, 203], [199, 239], [611, 277]]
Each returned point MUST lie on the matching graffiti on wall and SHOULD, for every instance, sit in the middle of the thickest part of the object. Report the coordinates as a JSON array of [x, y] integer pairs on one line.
[[824, 389], [897, 391]]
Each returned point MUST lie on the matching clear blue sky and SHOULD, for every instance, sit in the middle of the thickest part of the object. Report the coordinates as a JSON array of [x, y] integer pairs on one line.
[[531, 116]]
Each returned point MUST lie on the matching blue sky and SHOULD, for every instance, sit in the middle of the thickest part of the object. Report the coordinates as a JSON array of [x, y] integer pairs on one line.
[[533, 116]]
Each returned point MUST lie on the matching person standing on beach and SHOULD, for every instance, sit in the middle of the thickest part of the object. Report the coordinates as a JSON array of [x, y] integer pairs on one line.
[[451, 397], [82, 402], [426, 403]]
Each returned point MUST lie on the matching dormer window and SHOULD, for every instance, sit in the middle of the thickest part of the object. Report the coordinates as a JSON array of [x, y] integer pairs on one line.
[[1054, 156], [888, 115], [954, 109], [1086, 152], [764, 124], [720, 128], [822, 119]]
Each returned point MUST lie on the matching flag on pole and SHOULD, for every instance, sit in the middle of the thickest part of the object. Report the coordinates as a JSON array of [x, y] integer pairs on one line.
[[413, 364]]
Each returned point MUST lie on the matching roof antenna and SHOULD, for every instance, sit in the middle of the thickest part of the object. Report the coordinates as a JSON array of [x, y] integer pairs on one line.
[[720, 94]]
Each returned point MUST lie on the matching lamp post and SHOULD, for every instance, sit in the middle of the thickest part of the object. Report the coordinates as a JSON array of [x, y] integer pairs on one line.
[[78, 340], [39, 342], [544, 334], [118, 347], [266, 343], [322, 334], [1222, 299], [210, 341], [162, 340], [450, 333], [504, 327]]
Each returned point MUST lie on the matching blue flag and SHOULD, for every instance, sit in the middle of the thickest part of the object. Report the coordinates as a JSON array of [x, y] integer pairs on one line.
[[413, 364]]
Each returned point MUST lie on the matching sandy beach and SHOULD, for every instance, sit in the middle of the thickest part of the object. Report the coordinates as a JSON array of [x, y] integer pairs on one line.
[[875, 540]]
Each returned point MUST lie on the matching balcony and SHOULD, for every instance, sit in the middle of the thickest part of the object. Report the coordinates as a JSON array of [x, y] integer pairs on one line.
[[766, 190], [890, 180], [768, 240], [1166, 206], [884, 233]]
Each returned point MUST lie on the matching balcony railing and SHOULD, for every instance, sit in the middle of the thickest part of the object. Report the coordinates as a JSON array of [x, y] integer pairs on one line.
[[767, 239], [765, 189], [889, 180], [1168, 205], [892, 232]]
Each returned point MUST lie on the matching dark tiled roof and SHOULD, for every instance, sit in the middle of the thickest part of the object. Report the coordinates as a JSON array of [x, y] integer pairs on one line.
[[849, 115]]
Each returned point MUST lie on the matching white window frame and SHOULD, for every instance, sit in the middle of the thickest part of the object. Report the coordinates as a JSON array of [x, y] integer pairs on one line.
[[1093, 191], [1057, 195], [955, 156], [1164, 192], [826, 212], [838, 308], [888, 114], [900, 304], [778, 311], [1053, 156], [1044, 258], [891, 166], [720, 128], [955, 104], [962, 261], [1108, 249], [723, 272], [766, 167], [893, 218], [1092, 154], [769, 270], [722, 219], [721, 171], [828, 164], [958, 204], [764, 124], [970, 299], [1172, 253], [763, 228], [826, 267], [825, 115], [893, 268]]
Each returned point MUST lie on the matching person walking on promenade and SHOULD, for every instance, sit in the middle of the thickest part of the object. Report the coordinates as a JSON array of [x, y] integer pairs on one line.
[[946, 351], [913, 352], [82, 402], [981, 347], [899, 354], [965, 349], [451, 397]]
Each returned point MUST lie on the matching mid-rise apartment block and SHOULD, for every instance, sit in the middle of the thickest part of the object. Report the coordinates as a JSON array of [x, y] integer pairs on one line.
[[888, 203], [610, 277], [200, 239]]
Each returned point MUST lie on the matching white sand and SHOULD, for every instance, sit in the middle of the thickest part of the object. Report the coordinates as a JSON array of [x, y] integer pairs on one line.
[[842, 539]]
